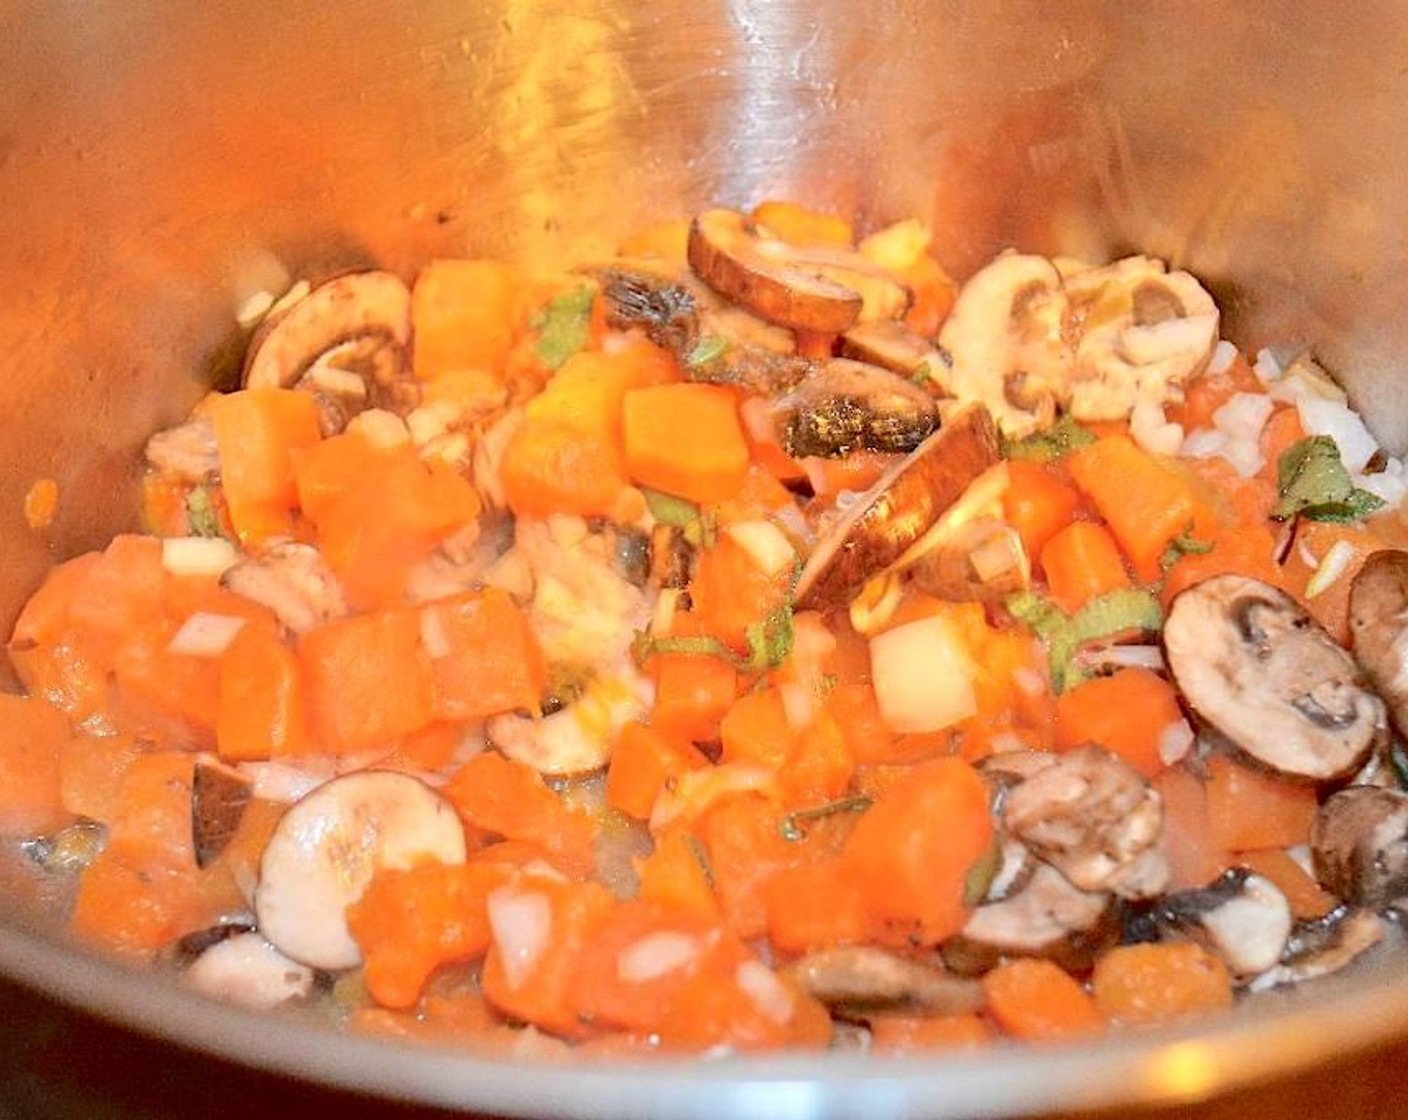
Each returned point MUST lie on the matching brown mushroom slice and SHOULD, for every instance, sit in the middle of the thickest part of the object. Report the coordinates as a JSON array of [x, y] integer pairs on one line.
[[245, 970], [1378, 624], [857, 978], [759, 273], [1321, 946], [325, 849], [890, 344], [348, 307], [1048, 917], [219, 797], [1095, 819], [1008, 341], [293, 580], [1241, 916], [888, 518], [1359, 841], [842, 406], [1254, 664], [186, 453], [981, 561], [1144, 333]]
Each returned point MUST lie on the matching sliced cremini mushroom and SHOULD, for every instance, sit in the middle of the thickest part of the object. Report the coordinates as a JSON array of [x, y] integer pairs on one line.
[[325, 849], [1359, 841], [247, 971], [294, 581], [857, 978], [219, 796], [577, 738], [1008, 340], [1241, 916], [1048, 917], [1378, 624], [982, 561], [186, 453], [1094, 818], [1321, 946], [1254, 664], [841, 406], [1144, 332], [814, 289], [713, 340], [890, 344], [873, 532], [356, 305]]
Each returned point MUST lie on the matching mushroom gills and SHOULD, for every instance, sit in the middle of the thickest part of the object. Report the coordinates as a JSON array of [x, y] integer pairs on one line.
[[1321, 946], [857, 978], [1251, 662], [294, 581], [842, 406]]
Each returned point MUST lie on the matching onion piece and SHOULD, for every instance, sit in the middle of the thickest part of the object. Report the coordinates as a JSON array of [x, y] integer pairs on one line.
[[1223, 355], [1320, 417], [923, 676], [205, 634], [760, 984], [433, 636], [522, 925], [656, 955], [766, 545], [382, 429], [1334, 565], [198, 556], [1175, 741]]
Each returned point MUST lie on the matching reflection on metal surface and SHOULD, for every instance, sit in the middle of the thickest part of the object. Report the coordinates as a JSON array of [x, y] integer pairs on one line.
[[1183, 1071], [154, 156]]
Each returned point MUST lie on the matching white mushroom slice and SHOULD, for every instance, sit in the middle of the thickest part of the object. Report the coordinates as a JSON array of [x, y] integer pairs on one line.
[[576, 739], [293, 581], [889, 517], [1094, 818], [1359, 841], [247, 971], [1048, 917], [1008, 342], [325, 849], [345, 308], [1256, 666], [1241, 916], [1144, 333], [1378, 623], [1323, 946], [862, 977], [186, 453], [815, 290], [841, 406]]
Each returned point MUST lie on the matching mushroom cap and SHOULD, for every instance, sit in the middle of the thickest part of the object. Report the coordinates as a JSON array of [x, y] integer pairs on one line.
[[347, 307], [1254, 664], [1378, 626], [1359, 840], [895, 512]]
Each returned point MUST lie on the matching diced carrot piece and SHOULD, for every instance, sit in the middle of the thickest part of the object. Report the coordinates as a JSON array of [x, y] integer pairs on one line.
[[464, 314], [912, 850], [800, 225], [33, 737], [120, 596], [1244, 550], [44, 619], [1186, 843], [1209, 391], [409, 923], [485, 656], [731, 593], [692, 694], [1082, 562], [745, 849], [857, 716], [666, 240], [718, 1008], [913, 1034], [171, 698], [263, 708], [1037, 504], [91, 771], [676, 876], [368, 680], [509, 799], [1250, 808], [133, 912], [1307, 898], [1145, 503], [257, 431], [1330, 606], [934, 292], [756, 730], [1037, 1001], [643, 760], [1130, 713], [551, 468], [857, 471], [685, 439], [151, 825], [1156, 984], [814, 906], [428, 750], [334, 467]]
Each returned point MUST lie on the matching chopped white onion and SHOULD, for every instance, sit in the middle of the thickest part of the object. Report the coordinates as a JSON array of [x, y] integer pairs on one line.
[[1152, 431], [756, 415], [1126, 657], [1029, 681], [1266, 367], [1203, 443], [339, 382], [760, 984], [286, 782], [433, 636], [205, 634], [254, 308], [1007, 741], [521, 922], [1334, 565], [1387, 484], [1321, 417], [794, 523], [380, 428], [656, 955], [1175, 741], [511, 573], [198, 556], [766, 545], [797, 705], [923, 676], [662, 615], [1223, 355]]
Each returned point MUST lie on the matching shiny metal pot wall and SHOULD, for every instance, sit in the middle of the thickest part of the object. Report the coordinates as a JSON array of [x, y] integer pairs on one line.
[[157, 160]]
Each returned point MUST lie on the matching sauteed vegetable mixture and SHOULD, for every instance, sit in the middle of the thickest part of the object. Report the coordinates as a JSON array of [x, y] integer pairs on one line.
[[756, 640]]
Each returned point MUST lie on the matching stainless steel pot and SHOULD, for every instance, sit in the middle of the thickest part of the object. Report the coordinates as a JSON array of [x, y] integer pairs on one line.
[[157, 158]]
